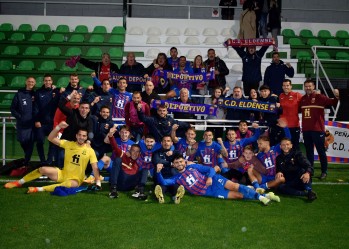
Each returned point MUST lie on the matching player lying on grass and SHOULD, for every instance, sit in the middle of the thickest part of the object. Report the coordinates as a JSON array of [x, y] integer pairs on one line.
[[77, 156], [202, 180]]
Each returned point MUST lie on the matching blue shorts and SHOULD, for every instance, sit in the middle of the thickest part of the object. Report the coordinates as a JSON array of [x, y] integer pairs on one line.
[[217, 189], [267, 178]]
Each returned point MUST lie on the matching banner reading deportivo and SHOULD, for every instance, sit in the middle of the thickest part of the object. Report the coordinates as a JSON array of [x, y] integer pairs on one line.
[[336, 142], [186, 107], [248, 105], [131, 79], [188, 77]]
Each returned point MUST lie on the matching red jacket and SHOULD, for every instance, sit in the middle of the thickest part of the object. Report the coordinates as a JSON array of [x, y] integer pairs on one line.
[[312, 107], [289, 104]]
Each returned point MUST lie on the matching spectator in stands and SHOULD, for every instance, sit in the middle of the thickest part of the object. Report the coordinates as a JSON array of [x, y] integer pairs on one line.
[[46, 103], [251, 70], [138, 129], [219, 68], [101, 126], [183, 98], [104, 98], [254, 96], [149, 94], [275, 74], [124, 173], [297, 171], [199, 88], [274, 23], [271, 119], [237, 114], [228, 12], [164, 157], [247, 21], [267, 155], [312, 107], [221, 112], [173, 60], [289, 102], [161, 124], [132, 67], [209, 152], [186, 145], [103, 69], [161, 84], [78, 155], [243, 131], [22, 108], [177, 85]]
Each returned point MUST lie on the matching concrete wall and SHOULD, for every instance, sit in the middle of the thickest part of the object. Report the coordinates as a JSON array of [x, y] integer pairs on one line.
[[318, 11]]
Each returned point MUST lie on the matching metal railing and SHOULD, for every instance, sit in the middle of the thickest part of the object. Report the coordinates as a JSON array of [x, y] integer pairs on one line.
[[319, 68]]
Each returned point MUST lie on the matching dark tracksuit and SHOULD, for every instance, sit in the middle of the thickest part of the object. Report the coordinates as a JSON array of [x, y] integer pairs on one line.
[[136, 69], [160, 157], [275, 74], [101, 128], [293, 166], [106, 99], [46, 103], [22, 108], [251, 68]]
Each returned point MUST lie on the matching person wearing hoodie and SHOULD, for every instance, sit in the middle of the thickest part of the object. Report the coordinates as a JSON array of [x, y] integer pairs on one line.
[[275, 74], [22, 108]]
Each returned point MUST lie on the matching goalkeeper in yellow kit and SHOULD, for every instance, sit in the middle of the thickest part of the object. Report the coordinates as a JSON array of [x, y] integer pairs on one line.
[[77, 156]]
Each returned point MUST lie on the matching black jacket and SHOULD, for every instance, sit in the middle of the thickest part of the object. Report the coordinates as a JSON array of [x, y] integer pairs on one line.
[[223, 71], [293, 165], [22, 108], [46, 103]]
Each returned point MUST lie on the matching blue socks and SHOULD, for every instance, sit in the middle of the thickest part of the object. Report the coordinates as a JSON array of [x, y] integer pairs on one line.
[[248, 193], [255, 184]]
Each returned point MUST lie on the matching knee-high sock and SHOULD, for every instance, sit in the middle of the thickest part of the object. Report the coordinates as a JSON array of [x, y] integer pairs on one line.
[[32, 175], [248, 193], [51, 188]]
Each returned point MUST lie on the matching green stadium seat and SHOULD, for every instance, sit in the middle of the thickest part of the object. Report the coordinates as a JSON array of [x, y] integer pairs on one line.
[[288, 33], [25, 65], [323, 55], [37, 37], [2, 36], [346, 43], [5, 65], [17, 37], [306, 33], [44, 28], [343, 34], [118, 39], [313, 42], [32, 51], [118, 30], [295, 42], [94, 52], [47, 66], [325, 34], [62, 82], [84, 69], [39, 82], [18, 82], [53, 51], [81, 29], [6, 27], [303, 55], [11, 50], [77, 38], [2, 81], [332, 42], [62, 28], [25, 27], [65, 68], [85, 84], [95, 38], [72, 51], [56, 38], [99, 30], [10, 96], [342, 56], [115, 52]]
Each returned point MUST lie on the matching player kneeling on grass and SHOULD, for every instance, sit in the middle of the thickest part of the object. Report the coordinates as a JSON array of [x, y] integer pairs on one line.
[[77, 155], [297, 171], [201, 180]]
